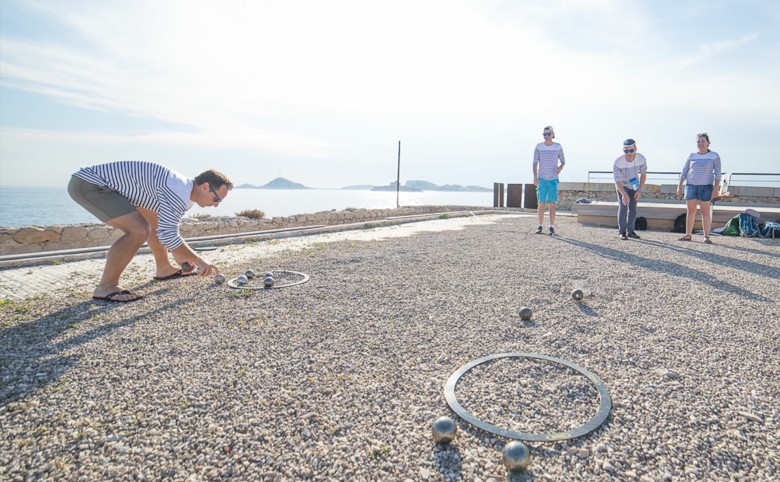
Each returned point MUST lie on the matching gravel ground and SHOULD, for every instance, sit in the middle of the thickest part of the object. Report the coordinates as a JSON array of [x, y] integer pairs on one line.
[[340, 378]]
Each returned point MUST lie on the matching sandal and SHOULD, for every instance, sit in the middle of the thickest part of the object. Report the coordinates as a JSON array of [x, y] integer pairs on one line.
[[687, 237], [707, 240]]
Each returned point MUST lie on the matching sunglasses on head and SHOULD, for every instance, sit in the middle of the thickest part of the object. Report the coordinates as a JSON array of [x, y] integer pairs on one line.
[[217, 199], [629, 151]]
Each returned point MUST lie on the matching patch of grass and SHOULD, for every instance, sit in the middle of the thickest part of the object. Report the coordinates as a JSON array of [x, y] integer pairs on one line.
[[252, 213], [57, 262], [379, 453], [444, 216], [369, 225]]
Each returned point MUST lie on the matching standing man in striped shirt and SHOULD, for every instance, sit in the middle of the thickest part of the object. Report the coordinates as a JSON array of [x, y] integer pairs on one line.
[[146, 201], [630, 172], [701, 175], [548, 163]]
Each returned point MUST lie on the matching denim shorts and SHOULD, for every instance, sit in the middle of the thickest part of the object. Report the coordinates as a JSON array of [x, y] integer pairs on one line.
[[547, 191], [702, 193]]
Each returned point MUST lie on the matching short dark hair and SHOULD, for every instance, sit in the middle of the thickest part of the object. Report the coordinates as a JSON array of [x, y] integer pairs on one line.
[[704, 135], [215, 179]]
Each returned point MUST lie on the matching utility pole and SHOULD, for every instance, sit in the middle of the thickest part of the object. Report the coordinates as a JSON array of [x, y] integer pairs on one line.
[[398, 180]]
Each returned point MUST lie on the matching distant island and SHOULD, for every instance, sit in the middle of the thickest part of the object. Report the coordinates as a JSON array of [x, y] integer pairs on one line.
[[420, 186], [409, 186], [278, 183]]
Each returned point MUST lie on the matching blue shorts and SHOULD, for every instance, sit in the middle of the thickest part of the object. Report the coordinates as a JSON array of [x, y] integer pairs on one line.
[[702, 193], [547, 191]]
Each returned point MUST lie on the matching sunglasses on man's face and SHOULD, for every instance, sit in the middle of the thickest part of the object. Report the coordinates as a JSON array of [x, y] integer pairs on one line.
[[629, 151], [217, 199], [546, 134]]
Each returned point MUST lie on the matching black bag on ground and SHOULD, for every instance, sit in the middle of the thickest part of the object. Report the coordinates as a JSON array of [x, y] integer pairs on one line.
[[679, 223], [640, 224]]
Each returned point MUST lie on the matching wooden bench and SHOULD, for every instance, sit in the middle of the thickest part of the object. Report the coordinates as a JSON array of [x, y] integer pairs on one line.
[[661, 216]]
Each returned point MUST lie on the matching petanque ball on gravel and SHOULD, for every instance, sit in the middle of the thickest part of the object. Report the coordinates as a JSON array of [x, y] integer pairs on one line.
[[250, 274], [268, 282], [516, 456], [187, 267], [219, 278], [444, 430], [242, 280], [268, 275], [577, 295], [526, 313]]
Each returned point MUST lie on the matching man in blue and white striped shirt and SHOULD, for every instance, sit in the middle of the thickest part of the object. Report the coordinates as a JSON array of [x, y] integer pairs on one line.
[[146, 201], [546, 167]]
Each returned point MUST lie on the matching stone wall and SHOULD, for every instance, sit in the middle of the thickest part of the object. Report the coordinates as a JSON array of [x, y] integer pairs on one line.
[[35, 239], [569, 192]]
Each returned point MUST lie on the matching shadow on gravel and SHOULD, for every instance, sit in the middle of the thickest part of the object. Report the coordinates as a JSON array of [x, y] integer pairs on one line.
[[666, 267], [727, 261], [448, 462], [762, 241], [31, 357], [587, 310]]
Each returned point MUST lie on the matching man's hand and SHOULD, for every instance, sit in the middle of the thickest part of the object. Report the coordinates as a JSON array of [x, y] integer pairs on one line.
[[536, 182], [624, 198], [205, 267], [637, 195]]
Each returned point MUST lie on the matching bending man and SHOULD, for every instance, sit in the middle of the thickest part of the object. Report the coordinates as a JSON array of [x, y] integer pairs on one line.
[[146, 201], [630, 171]]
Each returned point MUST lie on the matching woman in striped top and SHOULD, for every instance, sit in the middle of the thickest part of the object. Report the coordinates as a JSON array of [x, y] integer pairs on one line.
[[146, 201], [701, 175]]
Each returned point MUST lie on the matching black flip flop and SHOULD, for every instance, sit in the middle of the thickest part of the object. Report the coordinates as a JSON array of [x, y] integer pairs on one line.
[[178, 274], [110, 297]]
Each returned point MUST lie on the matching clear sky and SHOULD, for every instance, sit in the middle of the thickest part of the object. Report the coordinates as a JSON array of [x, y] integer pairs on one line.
[[320, 92]]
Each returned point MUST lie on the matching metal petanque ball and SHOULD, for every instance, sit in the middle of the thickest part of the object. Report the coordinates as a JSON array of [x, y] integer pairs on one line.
[[187, 267], [444, 430], [219, 278], [516, 456], [268, 275], [526, 313], [268, 282], [577, 295], [250, 273], [242, 280]]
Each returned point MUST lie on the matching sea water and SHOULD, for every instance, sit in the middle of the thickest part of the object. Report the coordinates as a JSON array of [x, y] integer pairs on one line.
[[26, 206]]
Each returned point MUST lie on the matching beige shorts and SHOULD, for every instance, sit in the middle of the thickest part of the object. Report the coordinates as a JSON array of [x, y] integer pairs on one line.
[[106, 204]]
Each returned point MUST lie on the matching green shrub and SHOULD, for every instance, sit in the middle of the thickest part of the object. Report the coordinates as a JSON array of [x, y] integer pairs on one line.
[[444, 216], [252, 214]]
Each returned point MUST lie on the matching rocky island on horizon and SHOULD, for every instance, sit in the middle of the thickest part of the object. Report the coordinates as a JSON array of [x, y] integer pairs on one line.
[[409, 186]]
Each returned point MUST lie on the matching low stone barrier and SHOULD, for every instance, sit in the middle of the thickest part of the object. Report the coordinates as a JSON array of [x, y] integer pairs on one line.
[[569, 192], [35, 239]]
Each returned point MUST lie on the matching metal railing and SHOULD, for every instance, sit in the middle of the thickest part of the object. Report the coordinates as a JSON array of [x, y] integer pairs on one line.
[[750, 178], [743, 178], [594, 176]]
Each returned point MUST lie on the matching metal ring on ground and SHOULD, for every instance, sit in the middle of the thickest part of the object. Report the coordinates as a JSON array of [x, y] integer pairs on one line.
[[233, 284], [604, 407]]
